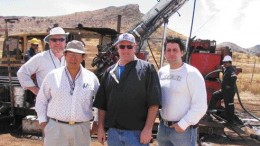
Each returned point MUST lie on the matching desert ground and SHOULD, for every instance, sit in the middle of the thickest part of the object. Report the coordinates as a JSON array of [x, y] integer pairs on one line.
[[250, 101], [249, 89]]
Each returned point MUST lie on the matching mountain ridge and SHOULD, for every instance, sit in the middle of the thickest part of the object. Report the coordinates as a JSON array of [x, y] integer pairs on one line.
[[105, 17], [234, 47]]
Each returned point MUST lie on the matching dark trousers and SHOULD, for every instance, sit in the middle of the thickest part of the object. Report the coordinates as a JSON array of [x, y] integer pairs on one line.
[[228, 97]]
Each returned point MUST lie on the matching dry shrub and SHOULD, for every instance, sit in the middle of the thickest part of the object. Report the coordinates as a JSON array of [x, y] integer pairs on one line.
[[247, 81]]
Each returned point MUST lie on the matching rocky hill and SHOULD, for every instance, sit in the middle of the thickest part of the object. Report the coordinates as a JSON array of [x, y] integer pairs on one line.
[[106, 17]]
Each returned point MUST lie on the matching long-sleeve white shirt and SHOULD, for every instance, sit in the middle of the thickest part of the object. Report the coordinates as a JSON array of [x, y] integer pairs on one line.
[[41, 64], [184, 96], [55, 101]]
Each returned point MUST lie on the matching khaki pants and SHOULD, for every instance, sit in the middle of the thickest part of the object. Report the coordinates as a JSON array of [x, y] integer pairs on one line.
[[60, 134]]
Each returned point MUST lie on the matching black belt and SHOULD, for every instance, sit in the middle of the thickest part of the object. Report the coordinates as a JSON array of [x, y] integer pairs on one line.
[[169, 123], [64, 122]]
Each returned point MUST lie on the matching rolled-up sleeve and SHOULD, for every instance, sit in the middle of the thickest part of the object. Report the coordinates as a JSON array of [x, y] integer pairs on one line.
[[25, 72]]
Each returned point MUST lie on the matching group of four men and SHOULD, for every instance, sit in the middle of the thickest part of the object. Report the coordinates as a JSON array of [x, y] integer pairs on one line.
[[127, 98]]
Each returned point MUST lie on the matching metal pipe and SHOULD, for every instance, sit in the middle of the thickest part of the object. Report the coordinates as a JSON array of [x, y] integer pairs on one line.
[[119, 23], [163, 41]]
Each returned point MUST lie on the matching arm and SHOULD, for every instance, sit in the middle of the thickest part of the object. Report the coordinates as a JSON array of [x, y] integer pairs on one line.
[[146, 133], [198, 103], [42, 101], [25, 72], [34, 89], [101, 127]]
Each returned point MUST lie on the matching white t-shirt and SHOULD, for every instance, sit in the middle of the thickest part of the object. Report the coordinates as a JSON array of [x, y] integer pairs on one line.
[[184, 96]]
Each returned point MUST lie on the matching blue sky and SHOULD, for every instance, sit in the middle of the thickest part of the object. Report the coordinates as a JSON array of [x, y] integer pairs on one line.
[[220, 20]]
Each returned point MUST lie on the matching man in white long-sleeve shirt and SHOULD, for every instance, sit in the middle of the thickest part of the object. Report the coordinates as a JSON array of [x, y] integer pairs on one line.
[[184, 99], [44, 62], [64, 102]]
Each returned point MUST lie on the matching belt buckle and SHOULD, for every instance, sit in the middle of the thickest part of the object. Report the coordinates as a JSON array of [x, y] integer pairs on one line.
[[166, 123], [71, 122]]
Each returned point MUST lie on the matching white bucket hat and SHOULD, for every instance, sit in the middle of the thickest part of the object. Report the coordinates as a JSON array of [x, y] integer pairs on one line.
[[75, 46], [55, 31]]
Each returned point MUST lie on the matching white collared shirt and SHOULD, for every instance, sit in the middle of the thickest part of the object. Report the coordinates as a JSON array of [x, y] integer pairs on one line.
[[55, 101], [41, 64]]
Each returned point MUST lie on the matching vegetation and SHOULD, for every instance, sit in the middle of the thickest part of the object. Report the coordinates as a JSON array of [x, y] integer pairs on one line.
[[249, 79]]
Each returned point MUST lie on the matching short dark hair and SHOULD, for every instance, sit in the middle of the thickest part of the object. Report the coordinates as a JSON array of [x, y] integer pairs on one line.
[[171, 39]]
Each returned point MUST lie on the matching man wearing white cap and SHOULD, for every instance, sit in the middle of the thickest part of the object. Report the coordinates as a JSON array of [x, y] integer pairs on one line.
[[227, 91], [44, 62], [128, 98], [64, 102]]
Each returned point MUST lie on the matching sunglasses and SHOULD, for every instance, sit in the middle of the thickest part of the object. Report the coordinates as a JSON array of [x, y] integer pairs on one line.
[[35, 45], [57, 39], [127, 46]]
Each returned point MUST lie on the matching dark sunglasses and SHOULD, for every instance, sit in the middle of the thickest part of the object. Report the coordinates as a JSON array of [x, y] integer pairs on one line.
[[59, 39], [127, 46], [35, 45]]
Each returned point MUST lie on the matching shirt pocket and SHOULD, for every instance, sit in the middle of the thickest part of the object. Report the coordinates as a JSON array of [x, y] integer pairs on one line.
[[86, 95]]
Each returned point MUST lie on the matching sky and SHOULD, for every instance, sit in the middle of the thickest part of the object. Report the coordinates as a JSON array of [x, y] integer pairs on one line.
[[234, 21]]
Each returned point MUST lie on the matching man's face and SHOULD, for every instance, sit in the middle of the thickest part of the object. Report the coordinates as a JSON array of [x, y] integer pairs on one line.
[[73, 60], [126, 51], [173, 53], [226, 64], [35, 46], [57, 43]]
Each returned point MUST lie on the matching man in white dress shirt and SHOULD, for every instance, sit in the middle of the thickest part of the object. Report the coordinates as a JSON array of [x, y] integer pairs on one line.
[[64, 102], [44, 62], [184, 98]]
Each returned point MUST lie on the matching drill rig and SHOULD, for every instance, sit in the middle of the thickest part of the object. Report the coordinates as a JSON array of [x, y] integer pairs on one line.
[[152, 20]]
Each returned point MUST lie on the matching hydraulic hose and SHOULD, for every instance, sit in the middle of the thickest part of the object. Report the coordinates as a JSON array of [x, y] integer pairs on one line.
[[239, 100]]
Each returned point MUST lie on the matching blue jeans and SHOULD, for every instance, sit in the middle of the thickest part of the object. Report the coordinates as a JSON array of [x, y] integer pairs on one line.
[[169, 137], [117, 137]]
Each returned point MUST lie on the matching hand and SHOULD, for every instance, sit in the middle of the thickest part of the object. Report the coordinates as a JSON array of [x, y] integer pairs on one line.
[[177, 128], [101, 135], [43, 125], [94, 128], [228, 87], [34, 89], [146, 136]]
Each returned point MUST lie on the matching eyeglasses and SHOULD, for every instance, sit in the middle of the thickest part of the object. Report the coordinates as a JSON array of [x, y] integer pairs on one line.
[[127, 46], [35, 45], [57, 39]]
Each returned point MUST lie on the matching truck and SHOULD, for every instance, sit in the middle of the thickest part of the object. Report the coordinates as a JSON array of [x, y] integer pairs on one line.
[[16, 105]]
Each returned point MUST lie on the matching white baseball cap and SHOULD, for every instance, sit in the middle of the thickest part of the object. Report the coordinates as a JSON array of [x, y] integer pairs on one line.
[[125, 37]]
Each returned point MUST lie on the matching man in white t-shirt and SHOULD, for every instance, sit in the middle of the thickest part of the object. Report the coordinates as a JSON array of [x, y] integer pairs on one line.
[[184, 99]]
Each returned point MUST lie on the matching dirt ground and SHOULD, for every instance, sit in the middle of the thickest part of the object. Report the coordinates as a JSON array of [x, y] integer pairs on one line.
[[251, 103]]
